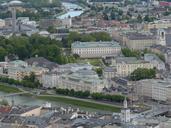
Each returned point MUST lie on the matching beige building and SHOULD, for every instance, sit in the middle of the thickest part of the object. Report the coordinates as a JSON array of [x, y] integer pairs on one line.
[[95, 49], [126, 65], [18, 73], [157, 25], [137, 41], [2, 23], [155, 89], [109, 72], [19, 69]]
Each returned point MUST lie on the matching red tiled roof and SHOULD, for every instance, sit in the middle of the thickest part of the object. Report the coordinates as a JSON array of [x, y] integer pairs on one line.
[[5, 109]]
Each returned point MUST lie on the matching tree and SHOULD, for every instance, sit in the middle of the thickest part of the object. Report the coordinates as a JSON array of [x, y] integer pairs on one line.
[[99, 71], [3, 53], [143, 73], [139, 18], [4, 102], [130, 53], [31, 81], [51, 29]]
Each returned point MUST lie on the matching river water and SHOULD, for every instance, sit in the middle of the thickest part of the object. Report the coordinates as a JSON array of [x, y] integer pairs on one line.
[[71, 12], [32, 101], [27, 100]]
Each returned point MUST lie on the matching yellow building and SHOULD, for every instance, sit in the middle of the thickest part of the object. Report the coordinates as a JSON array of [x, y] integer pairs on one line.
[[126, 65], [137, 41], [18, 73], [158, 25]]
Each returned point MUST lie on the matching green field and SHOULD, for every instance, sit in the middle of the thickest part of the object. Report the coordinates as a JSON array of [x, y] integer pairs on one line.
[[80, 103], [94, 62], [8, 89]]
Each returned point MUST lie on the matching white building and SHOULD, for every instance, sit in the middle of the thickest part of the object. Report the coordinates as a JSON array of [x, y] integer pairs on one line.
[[79, 77], [155, 89], [125, 113], [95, 49], [50, 80]]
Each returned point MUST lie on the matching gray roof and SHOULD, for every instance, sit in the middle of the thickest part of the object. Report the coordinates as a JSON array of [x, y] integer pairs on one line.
[[22, 109], [129, 60], [42, 62], [41, 122], [139, 36], [78, 44]]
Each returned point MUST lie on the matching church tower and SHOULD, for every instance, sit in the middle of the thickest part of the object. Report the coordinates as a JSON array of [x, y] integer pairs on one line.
[[161, 36], [125, 113]]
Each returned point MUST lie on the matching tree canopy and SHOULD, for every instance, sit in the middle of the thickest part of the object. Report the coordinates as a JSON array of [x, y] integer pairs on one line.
[[143, 73], [25, 47], [74, 36], [130, 53]]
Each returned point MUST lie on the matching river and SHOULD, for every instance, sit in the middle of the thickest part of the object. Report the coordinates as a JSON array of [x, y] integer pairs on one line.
[[71, 10], [31, 101]]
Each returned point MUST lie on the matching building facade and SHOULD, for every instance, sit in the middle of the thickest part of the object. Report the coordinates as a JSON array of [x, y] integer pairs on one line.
[[126, 65], [95, 49], [137, 41], [109, 72], [50, 80], [83, 80], [159, 90], [155, 60]]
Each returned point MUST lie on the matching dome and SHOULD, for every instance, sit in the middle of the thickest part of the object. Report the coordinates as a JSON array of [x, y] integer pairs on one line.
[[44, 33], [15, 2]]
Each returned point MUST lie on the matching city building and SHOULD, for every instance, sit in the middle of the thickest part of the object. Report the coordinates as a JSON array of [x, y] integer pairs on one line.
[[17, 63], [83, 80], [156, 61], [45, 23], [50, 80], [163, 51], [73, 67], [138, 41], [54, 79], [157, 25], [67, 22], [126, 65], [18, 69], [159, 90], [125, 113], [95, 49], [109, 72], [18, 73], [42, 62], [2, 23]]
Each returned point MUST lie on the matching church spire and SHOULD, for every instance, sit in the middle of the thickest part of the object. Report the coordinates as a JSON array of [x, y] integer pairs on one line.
[[125, 103]]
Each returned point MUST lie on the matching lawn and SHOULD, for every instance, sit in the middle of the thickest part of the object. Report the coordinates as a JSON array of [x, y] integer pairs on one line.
[[8, 89], [94, 62], [80, 103]]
